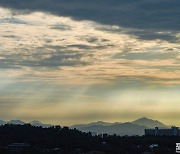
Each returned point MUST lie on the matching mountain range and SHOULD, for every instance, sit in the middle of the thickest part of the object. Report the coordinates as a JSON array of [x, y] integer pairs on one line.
[[19, 122], [127, 128], [135, 127]]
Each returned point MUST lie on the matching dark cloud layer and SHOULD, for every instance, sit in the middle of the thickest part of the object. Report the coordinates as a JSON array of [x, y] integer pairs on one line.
[[64, 58], [141, 14]]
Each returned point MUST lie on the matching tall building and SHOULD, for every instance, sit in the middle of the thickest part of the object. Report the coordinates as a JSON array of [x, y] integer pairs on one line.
[[173, 131]]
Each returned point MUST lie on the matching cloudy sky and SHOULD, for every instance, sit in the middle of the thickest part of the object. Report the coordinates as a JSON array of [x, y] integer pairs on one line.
[[66, 62]]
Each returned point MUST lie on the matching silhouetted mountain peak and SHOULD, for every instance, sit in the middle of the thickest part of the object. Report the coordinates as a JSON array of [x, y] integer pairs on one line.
[[98, 123], [144, 118], [19, 122], [35, 122], [127, 128], [16, 122], [2, 122], [148, 122], [38, 123]]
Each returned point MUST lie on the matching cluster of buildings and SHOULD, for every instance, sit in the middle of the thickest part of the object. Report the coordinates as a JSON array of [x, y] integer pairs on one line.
[[173, 131]]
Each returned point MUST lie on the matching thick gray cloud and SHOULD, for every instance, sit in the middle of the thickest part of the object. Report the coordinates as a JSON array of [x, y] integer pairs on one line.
[[140, 14], [52, 48], [60, 58]]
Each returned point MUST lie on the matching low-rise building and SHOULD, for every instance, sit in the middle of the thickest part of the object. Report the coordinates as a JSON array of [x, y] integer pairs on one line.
[[173, 131]]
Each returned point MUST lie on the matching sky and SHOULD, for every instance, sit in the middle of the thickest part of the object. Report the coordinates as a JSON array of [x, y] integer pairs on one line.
[[67, 62]]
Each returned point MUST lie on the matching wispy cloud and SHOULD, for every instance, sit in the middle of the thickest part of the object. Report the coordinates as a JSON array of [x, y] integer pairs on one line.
[[147, 18], [81, 52], [54, 61]]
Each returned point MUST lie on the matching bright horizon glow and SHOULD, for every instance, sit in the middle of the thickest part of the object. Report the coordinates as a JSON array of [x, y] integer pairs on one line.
[[62, 71]]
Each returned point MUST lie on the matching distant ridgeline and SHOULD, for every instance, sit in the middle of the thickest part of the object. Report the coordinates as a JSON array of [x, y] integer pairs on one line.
[[173, 131], [19, 122], [132, 128]]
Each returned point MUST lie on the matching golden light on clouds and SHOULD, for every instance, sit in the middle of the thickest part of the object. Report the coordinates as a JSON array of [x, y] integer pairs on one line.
[[54, 68]]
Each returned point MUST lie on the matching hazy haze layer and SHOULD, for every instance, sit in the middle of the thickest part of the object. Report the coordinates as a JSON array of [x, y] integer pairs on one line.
[[67, 68]]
